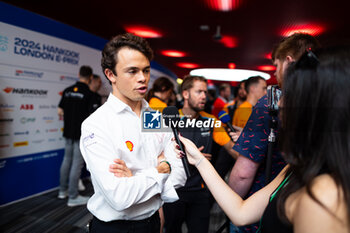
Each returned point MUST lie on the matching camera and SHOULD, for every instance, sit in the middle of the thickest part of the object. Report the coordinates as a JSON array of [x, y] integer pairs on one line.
[[273, 96]]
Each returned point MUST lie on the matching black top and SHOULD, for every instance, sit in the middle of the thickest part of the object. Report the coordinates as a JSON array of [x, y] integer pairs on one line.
[[271, 222], [77, 104]]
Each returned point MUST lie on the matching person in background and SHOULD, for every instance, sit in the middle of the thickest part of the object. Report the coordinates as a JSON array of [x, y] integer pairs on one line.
[[222, 99], [75, 106], [147, 170], [193, 206], [255, 88], [249, 173], [160, 93], [211, 97], [240, 96], [94, 86], [312, 193]]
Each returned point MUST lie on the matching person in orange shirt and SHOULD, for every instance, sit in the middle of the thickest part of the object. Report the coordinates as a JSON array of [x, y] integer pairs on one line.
[[256, 88], [160, 93], [240, 96]]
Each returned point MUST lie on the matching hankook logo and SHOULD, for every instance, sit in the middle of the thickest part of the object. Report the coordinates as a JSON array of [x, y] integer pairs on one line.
[[26, 91]]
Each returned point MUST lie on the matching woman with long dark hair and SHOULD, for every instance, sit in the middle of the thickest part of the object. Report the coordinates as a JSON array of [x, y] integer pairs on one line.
[[312, 193]]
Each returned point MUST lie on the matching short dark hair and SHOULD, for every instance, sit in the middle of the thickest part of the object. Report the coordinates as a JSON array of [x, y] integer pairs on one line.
[[110, 52], [294, 46], [85, 72], [189, 80], [252, 81], [223, 87]]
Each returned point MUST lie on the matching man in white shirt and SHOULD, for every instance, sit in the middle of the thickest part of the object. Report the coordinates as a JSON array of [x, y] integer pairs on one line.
[[128, 201]]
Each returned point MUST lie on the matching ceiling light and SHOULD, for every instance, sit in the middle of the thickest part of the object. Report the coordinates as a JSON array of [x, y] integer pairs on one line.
[[223, 5], [231, 65], [187, 65], [229, 41], [143, 31], [228, 74], [173, 53], [312, 29], [268, 55], [267, 68]]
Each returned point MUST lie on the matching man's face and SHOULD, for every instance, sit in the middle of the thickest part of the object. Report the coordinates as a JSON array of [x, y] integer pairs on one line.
[[226, 93], [242, 94], [133, 73], [197, 96], [260, 89], [281, 67]]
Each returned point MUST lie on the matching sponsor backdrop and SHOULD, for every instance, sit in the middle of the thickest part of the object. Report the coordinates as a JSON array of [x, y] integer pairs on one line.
[[39, 58]]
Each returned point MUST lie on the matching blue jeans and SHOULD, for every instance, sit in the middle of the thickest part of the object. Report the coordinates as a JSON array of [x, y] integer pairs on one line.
[[71, 168]]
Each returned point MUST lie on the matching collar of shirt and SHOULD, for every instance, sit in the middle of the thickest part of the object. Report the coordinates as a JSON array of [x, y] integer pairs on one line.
[[118, 106]]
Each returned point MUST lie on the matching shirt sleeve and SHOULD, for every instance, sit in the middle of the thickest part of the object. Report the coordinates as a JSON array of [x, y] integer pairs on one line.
[[220, 135], [177, 176], [120, 192], [253, 141]]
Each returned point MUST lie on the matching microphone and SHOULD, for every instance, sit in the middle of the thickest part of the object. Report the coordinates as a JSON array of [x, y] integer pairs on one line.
[[225, 118], [171, 116]]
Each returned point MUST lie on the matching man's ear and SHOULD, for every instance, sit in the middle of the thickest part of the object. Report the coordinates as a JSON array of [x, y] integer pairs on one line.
[[111, 77], [289, 59], [185, 94]]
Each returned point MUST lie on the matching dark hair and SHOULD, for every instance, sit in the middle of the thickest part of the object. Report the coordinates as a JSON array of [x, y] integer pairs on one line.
[[236, 89], [294, 46], [85, 72], [315, 132], [223, 87], [252, 81], [161, 84], [110, 52], [189, 80]]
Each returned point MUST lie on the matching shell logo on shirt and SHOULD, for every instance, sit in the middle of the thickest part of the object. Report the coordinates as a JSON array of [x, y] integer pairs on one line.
[[129, 145], [75, 89]]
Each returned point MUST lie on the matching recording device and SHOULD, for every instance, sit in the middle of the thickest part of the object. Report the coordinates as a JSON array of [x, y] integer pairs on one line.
[[273, 96], [225, 118], [171, 114]]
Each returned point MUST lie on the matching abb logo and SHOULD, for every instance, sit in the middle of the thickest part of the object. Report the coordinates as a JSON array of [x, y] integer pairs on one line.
[[27, 107]]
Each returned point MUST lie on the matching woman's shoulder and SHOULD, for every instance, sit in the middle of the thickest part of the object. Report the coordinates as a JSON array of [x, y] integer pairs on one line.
[[325, 210]]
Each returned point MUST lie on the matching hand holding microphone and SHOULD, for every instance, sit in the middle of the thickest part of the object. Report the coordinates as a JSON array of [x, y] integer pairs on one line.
[[171, 114], [235, 130]]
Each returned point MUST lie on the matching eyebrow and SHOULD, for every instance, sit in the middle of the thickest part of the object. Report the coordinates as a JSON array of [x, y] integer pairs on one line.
[[135, 68]]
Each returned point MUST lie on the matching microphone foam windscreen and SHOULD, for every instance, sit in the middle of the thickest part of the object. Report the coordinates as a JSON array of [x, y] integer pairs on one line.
[[224, 117], [170, 113]]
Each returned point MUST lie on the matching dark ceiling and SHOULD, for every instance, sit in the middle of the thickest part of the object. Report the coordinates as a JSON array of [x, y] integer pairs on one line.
[[256, 25]]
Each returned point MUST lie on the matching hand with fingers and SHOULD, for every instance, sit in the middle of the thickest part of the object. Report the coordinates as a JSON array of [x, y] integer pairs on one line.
[[119, 169], [163, 165], [194, 155], [235, 135]]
